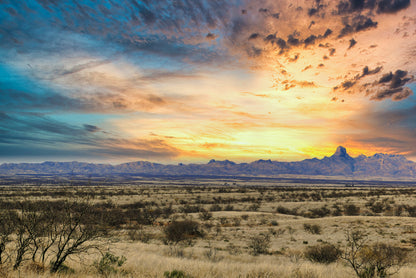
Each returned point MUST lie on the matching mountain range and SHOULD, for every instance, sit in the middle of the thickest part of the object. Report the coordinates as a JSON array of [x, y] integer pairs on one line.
[[339, 164]]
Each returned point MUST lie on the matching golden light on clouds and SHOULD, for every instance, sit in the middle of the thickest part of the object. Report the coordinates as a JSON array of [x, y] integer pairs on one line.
[[284, 80]]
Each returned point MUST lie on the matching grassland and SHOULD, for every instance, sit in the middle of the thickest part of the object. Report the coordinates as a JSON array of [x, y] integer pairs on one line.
[[245, 228]]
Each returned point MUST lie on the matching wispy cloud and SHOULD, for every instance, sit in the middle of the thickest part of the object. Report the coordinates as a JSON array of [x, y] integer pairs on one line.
[[103, 76]]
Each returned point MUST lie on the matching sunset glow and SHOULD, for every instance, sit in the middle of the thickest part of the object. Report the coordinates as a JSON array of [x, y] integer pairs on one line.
[[172, 82]]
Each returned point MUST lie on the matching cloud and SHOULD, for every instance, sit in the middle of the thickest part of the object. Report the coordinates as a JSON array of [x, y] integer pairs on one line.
[[381, 6], [389, 85], [395, 94], [37, 135], [211, 36], [392, 6], [389, 130], [352, 43], [66, 67], [91, 128], [359, 23]]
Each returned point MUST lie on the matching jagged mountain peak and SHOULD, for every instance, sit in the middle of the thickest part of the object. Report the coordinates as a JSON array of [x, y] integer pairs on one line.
[[341, 152]]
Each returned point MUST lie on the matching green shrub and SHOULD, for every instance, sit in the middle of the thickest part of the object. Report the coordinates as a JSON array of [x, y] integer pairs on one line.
[[109, 264]]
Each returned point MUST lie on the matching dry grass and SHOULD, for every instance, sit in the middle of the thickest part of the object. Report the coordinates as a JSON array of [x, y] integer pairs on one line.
[[224, 250]]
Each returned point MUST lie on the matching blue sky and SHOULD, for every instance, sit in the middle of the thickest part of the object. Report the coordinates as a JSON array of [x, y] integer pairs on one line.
[[187, 81]]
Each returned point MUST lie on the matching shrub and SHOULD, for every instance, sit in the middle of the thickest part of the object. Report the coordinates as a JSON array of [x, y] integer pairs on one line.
[[274, 223], [109, 264], [139, 235], [176, 274], [215, 207], [233, 250], [283, 210], [254, 207], [322, 253], [229, 208], [186, 230], [205, 215], [351, 209], [259, 244], [319, 212], [411, 210], [313, 229]]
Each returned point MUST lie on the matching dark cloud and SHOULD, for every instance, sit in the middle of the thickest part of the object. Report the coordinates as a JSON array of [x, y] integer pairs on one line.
[[254, 36], [269, 13], [211, 36], [270, 38], [395, 94], [392, 6], [91, 128], [281, 43], [347, 84], [386, 78], [310, 40], [276, 15], [367, 71], [351, 6], [291, 40], [359, 23], [365, 24], [396, 80], [352, 43], [327, 33], [311, 24], [390, 85], [314, 11], [381, 6]]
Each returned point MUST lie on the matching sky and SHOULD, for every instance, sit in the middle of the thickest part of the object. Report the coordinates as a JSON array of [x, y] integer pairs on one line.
[[192, 80]]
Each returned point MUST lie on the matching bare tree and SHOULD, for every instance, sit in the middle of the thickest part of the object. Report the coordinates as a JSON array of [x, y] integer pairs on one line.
[[25, 222], [6, 229], [77, 228], [376, 260], [44, 234], [356, 241]]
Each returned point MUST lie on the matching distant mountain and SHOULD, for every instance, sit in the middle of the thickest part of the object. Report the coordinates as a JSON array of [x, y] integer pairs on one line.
[[339, 164]]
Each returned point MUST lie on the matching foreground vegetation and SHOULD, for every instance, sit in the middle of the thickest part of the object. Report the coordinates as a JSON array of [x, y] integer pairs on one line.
[[227, 230]]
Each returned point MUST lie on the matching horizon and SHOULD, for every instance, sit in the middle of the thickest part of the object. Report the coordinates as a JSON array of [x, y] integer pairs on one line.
[[186, 82], [187, 163]]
